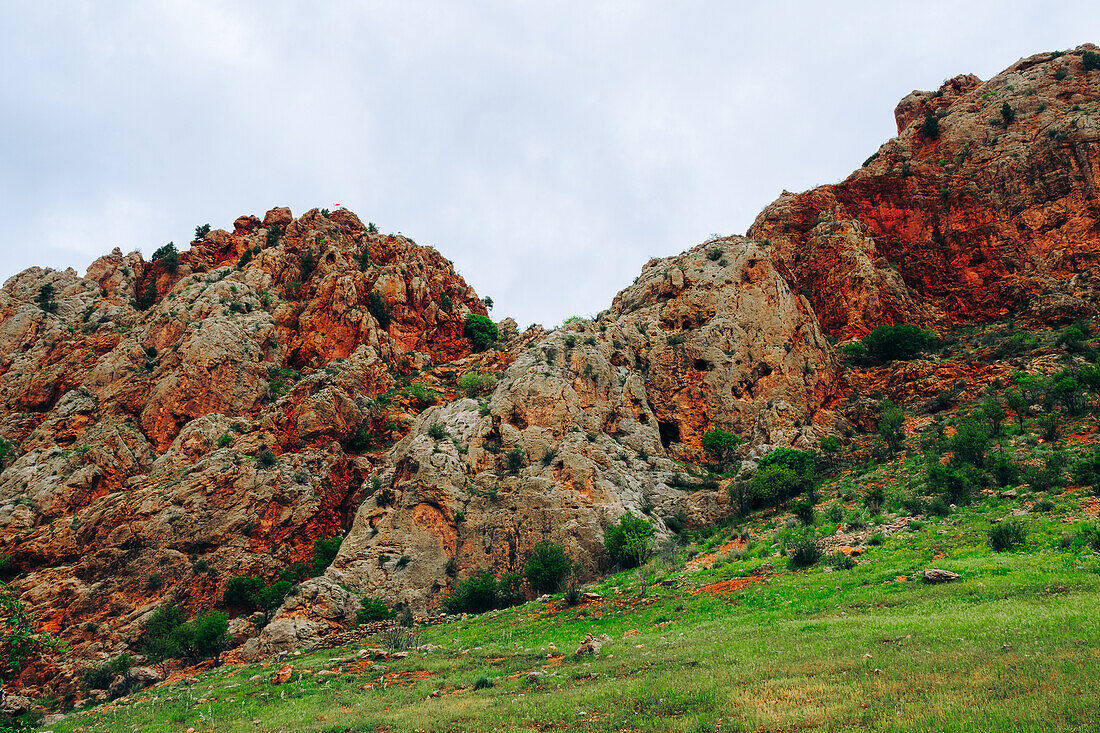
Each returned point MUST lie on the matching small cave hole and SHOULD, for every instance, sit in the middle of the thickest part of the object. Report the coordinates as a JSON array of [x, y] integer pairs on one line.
[[670, 432]]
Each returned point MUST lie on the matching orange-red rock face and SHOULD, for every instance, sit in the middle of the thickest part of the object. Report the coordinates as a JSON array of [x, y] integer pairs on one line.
[[137, 434], [974, 223]]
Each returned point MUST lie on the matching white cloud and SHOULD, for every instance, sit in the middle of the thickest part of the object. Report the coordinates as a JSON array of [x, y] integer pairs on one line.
[[547, 150]]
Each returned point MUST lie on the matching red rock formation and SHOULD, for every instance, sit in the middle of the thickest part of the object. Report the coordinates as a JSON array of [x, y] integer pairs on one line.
[[976, 222]]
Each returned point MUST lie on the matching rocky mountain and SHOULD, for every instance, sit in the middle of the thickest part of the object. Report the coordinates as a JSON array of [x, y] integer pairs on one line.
[[169, 424]]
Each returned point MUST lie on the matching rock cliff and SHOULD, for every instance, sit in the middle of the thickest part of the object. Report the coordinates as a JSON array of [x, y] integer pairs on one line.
[[168, 424], [985, 205]]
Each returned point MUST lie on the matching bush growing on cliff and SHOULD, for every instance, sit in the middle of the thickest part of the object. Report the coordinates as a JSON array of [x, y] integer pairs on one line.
[[900, 342], [721, 445], [547, 567], [168, 256], [201, 231], [891, 425], [481, 331], [19, 641], [324, 552], [1008, 115], [45, 298], [371, 610], [930, 128], [1090, 60], [629, 542], [253, 594]]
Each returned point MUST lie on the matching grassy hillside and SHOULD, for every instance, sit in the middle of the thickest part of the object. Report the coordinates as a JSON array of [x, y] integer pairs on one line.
[[720, 632]]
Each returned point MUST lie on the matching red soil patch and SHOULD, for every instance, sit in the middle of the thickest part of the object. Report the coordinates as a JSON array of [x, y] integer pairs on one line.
[[703, 562], [725, 587]]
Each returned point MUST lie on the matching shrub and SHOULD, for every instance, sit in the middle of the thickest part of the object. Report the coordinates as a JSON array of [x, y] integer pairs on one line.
[[955, 483], [372, 609], [168, 256], [148, 296], [714, 254], [770, 487], [721, 445], [266, 459], [628, 542], [840, 561], [203, 636], [930, 128], [1090, 60], [272, 235], [1087, 470], [1007, 114], [514, 459], [482, 683], [201, 231], [855, 352], [1065, 391], [225, 440], [482, 592], [307, 262], [891, 425], [804, 553], [992, 412], [45, 298], [156, 641], [1050, 426], [481, 331], [900, 342], [876, 539], [1005, 471], [437, 431], [970, 442], [1007, 535], [547, 567], [324, 552], [19, 642], [801, 462], [241, 591]]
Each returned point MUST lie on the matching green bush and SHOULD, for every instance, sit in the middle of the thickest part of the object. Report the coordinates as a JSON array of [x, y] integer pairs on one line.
[[970, 442], [45, 298], [514, 459], [547, 567], [372, 609], [482, 592], [628, 542], [324, 552], [955, 483], [19, 642], [201, 231], [1086, 471], [891, 425], [930, 128], [721, 445], [202, 637], [481, 331], [840, 561], [1007, 535], [482, 683], [900, 342], [1008, 115], [437, 431], [168, 256], [803, 553], [225, 440], [266, 459], [1090, 60]]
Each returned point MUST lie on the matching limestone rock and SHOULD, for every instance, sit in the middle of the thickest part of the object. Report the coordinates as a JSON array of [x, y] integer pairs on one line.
[[935, 575]]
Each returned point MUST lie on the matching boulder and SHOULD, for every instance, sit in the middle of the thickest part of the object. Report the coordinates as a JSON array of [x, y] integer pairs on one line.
[[935, 575]]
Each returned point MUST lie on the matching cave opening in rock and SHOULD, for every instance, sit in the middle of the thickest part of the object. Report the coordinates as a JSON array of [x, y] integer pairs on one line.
[[670, 432]]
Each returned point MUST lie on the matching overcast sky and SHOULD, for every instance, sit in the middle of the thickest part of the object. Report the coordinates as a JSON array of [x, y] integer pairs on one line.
[[548, 149]]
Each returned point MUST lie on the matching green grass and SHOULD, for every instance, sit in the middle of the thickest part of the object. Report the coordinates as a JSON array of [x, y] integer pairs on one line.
[[1012, 646]]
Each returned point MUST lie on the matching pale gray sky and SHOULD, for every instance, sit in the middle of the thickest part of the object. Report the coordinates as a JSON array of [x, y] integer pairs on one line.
[[547, 149]]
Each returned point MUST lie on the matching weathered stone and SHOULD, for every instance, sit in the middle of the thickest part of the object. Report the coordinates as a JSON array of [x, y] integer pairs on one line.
[[935, 575]]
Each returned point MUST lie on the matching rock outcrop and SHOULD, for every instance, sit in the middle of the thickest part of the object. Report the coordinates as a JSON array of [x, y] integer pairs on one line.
[[161, 447], [584, 426], [168, 424], [989, 209]]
